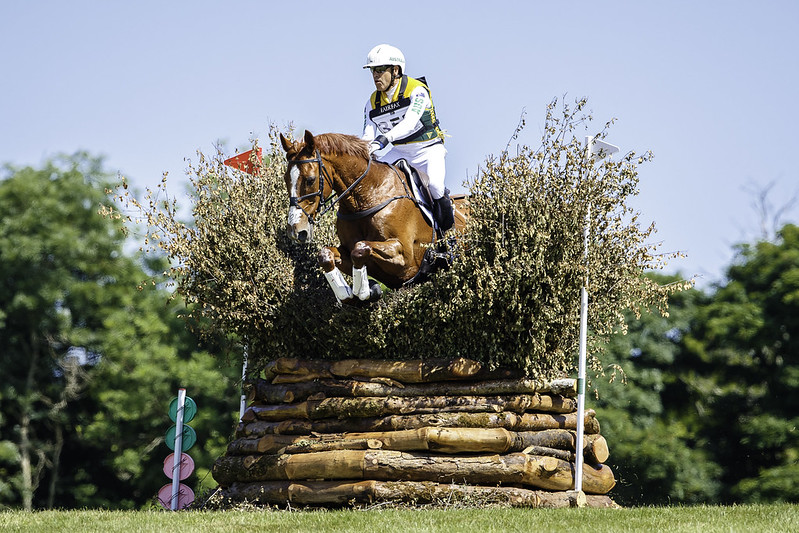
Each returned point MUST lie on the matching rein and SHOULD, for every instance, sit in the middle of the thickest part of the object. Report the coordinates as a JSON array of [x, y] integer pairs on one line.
[[374, 209], [324, 176], [328, 203]]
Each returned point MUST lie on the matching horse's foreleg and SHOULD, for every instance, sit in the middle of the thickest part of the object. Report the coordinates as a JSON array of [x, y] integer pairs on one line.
[[328, 257], [360, 280], [386, 256]]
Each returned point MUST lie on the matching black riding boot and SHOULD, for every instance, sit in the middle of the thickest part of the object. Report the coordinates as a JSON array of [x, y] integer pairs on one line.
[[443, 212]]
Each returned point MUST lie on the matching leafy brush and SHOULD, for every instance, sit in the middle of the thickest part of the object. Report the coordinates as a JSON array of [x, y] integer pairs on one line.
[[510, 298]]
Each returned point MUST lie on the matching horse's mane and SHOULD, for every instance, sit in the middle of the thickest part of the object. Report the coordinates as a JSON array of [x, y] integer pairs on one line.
[[341, 144]]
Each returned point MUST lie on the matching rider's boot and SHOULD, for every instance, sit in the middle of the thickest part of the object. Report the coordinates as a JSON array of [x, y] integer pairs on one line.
[[443, 212]]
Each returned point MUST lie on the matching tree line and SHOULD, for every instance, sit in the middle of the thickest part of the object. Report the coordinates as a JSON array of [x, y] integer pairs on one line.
[[698, 407], [89, 357], [710, 408]]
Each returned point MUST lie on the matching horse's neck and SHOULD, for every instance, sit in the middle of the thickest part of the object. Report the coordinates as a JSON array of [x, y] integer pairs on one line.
[[350, 169]]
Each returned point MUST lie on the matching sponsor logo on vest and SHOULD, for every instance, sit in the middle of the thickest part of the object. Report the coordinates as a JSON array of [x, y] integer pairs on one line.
[[389, 107]]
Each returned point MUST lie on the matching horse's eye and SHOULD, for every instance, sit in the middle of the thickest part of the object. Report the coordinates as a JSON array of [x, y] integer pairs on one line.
[[310, 179]]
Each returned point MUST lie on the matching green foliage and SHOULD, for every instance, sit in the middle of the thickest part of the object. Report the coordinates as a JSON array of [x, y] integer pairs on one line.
[[232, 264], [56, 258], [744, 365], [656, 453], [89, 363], [709, 410], [511, 297]]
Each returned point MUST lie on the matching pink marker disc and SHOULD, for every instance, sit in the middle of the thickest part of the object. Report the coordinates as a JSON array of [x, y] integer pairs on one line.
[[186, 465], [185, 496]]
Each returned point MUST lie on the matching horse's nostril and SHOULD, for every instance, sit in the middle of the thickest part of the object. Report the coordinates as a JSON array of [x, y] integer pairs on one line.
[[302, 236]]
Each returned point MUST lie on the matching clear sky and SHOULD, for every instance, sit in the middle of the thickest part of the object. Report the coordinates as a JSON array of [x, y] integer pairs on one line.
[[710, 87]]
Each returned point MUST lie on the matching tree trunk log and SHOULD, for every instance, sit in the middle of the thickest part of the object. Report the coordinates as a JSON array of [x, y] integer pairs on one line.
[[510, 421], [546, 473], [291, 370], [554, 442], [264, 392], [396, 405], [265, 444], [348, 444], [596, 449], [330, 493]]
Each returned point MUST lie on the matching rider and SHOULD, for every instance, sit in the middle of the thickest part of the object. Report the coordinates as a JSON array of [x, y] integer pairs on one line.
[[401, 112]]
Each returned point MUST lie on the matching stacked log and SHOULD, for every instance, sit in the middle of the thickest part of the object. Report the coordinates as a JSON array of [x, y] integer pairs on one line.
[[365, 431]]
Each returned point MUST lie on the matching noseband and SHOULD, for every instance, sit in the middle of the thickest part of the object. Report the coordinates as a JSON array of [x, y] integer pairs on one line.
[[325, 203]]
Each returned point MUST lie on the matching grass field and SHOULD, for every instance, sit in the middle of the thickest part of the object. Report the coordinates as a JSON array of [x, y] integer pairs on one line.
[[750, 518]]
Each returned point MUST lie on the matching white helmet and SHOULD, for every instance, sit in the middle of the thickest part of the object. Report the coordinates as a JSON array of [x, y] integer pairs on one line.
[[385, 54]]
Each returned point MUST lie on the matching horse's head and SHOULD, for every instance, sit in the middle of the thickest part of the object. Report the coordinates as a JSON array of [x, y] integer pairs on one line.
[[307, 185]]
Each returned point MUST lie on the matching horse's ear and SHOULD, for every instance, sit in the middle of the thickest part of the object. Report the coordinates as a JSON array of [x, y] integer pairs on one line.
[[285, 142], [309, 140]]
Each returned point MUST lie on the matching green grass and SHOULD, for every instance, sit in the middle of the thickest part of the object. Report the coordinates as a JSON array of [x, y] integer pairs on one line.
[[749, 518]]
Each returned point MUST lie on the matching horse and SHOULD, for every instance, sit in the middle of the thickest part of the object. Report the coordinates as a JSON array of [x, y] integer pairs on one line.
[[381, 229]]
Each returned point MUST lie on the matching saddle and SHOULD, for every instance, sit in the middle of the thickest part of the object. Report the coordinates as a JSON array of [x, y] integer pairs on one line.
[[437, 256], [419, 189]]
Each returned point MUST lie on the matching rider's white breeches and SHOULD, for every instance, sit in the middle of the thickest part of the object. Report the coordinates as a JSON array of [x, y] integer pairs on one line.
[[428, 160]]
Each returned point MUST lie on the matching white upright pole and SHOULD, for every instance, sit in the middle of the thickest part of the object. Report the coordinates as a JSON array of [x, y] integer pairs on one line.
[[604, 149], [243, 403], [178, 455], [578, 444]]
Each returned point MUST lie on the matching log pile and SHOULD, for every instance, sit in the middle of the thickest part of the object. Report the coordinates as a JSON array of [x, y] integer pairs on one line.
[[365, 431]]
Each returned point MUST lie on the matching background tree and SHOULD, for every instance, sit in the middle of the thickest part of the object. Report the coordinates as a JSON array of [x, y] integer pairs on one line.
[[53, 252], [656, 453], [741, 372], [88, 362], [709, 409]]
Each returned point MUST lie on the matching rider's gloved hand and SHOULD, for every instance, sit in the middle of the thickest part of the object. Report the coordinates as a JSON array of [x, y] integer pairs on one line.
[[378, 143]]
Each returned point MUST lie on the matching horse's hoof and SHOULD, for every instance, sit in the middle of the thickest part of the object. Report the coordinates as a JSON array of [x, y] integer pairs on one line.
[[349, 302], [375, 292]]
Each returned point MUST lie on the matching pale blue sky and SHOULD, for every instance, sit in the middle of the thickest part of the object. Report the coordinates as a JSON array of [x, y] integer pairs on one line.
[[709, 87]]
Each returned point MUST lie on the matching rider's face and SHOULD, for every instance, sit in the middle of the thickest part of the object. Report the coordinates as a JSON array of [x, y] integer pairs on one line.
[[382, 77]]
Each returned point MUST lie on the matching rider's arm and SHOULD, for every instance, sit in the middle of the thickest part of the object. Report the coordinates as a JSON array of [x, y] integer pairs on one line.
[[420, 100], [369, 128]]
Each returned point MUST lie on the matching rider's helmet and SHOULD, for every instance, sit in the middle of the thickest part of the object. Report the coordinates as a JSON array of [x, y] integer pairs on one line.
[[385, 54]]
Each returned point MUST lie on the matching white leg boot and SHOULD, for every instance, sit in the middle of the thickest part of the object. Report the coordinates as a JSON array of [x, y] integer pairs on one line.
[[360, 283], [339, 285]]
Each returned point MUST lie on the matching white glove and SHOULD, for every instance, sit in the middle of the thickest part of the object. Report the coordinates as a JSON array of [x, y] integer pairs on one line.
[[378, 143]]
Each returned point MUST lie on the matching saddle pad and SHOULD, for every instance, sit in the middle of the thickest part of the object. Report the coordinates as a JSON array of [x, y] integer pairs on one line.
[[421, 195]]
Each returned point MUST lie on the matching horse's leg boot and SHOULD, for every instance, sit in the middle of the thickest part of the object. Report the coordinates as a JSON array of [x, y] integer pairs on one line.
[[339, 285], [360, 283]]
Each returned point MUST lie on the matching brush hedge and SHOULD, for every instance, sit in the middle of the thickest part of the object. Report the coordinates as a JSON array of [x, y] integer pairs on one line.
[[511, 297]]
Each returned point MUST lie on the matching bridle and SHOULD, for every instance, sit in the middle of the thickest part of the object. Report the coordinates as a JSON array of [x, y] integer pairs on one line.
[[330, 202], [324, 176]]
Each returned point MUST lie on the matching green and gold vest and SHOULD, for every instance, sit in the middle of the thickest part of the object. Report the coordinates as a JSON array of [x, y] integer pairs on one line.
[[388, 114]]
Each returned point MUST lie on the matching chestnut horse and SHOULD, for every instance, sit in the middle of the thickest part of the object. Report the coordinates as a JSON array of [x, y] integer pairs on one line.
[[381, 229]]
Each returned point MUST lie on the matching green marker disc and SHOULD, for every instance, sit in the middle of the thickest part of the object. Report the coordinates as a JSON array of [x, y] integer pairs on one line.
[[189, 437], [189, 409]]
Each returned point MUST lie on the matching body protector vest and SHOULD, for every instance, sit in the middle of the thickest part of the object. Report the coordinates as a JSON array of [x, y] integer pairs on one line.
[[387, 114]]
